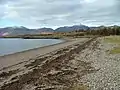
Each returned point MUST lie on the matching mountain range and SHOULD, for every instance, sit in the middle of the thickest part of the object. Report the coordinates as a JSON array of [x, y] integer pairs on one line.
[[23, 30], [71, 28]]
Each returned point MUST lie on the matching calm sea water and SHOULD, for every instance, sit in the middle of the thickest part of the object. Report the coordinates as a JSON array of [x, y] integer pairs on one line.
[[10, 46]]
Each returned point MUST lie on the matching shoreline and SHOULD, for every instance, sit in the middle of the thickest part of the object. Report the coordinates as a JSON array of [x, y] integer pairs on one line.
[[63, 41], [85, 65], [60, 67], [19, 57]]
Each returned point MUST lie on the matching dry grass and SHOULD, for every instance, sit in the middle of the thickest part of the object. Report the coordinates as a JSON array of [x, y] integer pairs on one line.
[[113, 40], [79, 87], [115, 50]]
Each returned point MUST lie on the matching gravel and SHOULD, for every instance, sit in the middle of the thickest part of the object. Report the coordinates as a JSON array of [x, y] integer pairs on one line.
[[107, 65]]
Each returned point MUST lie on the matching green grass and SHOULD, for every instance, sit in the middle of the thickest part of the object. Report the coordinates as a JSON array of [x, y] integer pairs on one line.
[[113, 40]]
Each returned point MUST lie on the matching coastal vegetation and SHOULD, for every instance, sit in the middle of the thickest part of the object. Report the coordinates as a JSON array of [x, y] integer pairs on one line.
[[104, 31], [115, 50], [79, 87], [115, 40], [49, 36]]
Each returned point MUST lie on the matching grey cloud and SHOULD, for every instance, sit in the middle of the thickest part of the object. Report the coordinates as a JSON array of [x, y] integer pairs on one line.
[[61, 12]]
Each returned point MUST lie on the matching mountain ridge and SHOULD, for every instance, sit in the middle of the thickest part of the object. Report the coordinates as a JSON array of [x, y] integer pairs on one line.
[[23, 30]]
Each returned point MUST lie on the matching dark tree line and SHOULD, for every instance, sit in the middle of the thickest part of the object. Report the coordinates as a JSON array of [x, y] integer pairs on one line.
[[104, 31]]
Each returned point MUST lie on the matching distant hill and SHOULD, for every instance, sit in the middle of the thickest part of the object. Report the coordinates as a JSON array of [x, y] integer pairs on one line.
[[17, 30], [23, 30], [45, 30], [71, 28]]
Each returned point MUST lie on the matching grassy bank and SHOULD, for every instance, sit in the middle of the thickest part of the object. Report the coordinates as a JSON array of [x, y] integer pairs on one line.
[[113, 40]]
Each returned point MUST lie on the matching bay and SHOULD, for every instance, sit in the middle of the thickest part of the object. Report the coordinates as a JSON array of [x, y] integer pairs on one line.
[[10, 46]]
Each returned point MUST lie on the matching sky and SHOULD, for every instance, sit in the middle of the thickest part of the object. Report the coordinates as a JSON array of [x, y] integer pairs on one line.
[[55, 13]]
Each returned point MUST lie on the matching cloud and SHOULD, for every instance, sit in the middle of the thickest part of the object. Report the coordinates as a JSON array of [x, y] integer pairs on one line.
[[39, 13]]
